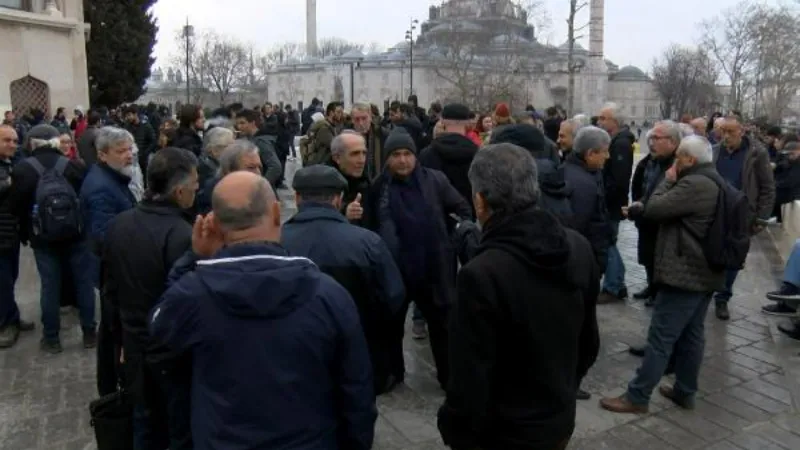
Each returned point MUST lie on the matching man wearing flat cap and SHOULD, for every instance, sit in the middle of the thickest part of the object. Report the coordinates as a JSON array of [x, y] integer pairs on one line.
[[355, 257], [407, 206], [452, 151]]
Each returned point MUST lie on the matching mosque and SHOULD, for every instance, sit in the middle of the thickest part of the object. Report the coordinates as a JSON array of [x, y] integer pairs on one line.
[[478, 51]]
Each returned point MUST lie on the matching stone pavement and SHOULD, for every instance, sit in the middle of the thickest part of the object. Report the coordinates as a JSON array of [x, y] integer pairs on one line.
[[746, 399]]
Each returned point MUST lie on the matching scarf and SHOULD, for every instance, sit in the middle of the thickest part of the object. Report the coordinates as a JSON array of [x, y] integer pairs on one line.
[[416, 231]]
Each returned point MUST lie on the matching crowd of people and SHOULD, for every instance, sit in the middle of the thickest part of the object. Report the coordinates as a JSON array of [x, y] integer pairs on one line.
[[229, 329]]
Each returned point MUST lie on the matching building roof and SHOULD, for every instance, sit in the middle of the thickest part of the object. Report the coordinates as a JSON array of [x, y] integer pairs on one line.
[[630, 73]]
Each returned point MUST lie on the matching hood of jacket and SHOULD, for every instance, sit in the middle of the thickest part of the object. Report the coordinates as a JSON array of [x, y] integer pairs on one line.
[[552, 180], [537, 239], [258, 280], [454, 148]]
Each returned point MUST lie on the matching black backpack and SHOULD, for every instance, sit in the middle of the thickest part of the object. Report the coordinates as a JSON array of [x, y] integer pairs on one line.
[[56, 215], [728, 239]]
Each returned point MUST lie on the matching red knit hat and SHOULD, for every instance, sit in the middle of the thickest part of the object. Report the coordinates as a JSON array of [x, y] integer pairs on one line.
[[501, 110]]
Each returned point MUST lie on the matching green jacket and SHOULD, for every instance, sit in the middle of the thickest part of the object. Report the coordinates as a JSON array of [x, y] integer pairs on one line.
[[321, 135]]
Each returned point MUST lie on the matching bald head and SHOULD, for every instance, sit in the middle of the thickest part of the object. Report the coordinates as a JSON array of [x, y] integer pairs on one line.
[[241, 201]]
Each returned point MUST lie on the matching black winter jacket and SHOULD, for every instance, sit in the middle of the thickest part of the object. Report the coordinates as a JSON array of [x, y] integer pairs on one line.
[[188, 139], [452, 154], [86, 148], [135, 276], [9, 233], [589, 211], [146, 141], [522, 334], [617, 172]]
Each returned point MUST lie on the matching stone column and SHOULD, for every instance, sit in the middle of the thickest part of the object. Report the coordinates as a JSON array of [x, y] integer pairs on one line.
[[311, 27], [596, 26]]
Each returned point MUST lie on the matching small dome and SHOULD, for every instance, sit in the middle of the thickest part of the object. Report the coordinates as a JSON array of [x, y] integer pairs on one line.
[[396, 56], [630, 73], [311, 60], [374, 57], [576, 47], [352, 54]]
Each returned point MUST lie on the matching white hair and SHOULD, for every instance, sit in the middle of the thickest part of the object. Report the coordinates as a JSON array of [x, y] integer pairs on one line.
[[686, 130], [338, 144], [38, 143], [575, 125], [616, 111], [590, 138], [582, 119], [697, 147]]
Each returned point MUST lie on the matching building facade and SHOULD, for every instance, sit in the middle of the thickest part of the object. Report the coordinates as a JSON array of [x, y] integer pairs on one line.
[[476, 51], [43, 43]]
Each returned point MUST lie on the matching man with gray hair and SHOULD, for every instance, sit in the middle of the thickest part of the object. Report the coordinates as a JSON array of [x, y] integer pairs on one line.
[[349, 157], [566, 135], [525, 253], [374, 136], [583, 171], [70, 255], [291, 322], [616, 182], [215, 141], [684, 205], [242, 154]]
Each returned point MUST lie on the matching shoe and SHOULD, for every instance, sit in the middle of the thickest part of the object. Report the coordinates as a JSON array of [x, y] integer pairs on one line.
[[89, 338], [722, 311], [779, 309], [24, 325], [686, 402], [787, 292], [644, 294], [419, 331], [52, 347], [637, 350], [606, 297], [621, 404], [790, 329], [9, 335], [582, 395]]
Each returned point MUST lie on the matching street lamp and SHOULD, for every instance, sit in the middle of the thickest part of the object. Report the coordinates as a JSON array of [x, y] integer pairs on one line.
[[188, 32], [410, 40], [353, 65]]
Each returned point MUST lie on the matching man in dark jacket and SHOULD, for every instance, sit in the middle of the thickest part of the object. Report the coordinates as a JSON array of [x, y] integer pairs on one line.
[[141, 246], [684, 205], [402, 115], [355, 257], [452, 151], [373, 134], [54, 258], [582, 170], [515, 363], [349, 154], [215, 141], [10, 322], [744, 163], [408, 207], [86, 148], [247, 124], [616, 180], [191, 122], [555, 191], [253, 318], [143, 134]]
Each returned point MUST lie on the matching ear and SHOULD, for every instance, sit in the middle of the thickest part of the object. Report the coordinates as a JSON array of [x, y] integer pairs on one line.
[[276, 214]]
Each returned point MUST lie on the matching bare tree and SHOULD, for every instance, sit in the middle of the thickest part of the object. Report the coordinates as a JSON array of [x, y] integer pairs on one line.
[[575, 6], [539, 17], [778, 56], [729, 39], [685, 80], [336, 46], [226, 63], [197, 68]]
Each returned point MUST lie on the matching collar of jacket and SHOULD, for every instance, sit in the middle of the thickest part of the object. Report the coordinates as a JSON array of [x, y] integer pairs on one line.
[[574, 158], [164, 208], [120, 178], [317, 210], [251, 248], [697, 168]]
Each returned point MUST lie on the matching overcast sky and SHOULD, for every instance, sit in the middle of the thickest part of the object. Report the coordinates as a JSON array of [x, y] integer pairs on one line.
[[635, 30]]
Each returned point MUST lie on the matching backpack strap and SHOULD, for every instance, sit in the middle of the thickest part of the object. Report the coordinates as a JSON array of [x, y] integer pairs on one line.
[[37, 166], [61, 164]]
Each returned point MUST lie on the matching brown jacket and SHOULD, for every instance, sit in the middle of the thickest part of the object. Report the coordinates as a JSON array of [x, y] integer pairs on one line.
[[758, 183], [684, 209]]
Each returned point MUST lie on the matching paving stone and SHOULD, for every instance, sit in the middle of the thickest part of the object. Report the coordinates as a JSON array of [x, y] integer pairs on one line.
[[751, 363], [695, 424], [639, 438], [737, 407], [673, 434], [770, 390], [760, 401], [749, 441], [773, 433], [758, 354], [719, 415]]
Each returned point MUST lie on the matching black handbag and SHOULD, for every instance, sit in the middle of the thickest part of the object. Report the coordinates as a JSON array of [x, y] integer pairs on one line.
[[112, 420]]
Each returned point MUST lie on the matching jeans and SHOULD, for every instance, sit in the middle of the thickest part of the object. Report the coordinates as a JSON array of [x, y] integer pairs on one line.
[[164, 420], [9, 271], [49, 265], [725, 295], [677, 326], [614, 278], [791, 273]]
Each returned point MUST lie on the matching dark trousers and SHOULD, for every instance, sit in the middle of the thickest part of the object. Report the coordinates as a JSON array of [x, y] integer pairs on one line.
[[163, 420], [9, 271], [108, 348], [436, 318]]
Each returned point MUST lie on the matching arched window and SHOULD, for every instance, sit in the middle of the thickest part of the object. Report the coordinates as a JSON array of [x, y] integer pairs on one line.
[[28, 92]]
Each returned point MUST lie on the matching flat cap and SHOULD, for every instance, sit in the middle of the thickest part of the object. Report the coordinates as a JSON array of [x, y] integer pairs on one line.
[[455, 111], [320, 178]]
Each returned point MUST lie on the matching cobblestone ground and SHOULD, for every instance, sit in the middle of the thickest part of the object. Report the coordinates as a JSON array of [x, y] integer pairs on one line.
[[745, 402]]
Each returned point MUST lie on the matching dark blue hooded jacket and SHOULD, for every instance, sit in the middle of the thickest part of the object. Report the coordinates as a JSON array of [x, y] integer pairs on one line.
[[280, 360]]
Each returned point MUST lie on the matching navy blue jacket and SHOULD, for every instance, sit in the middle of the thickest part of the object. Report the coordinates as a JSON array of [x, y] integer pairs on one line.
[[104, 194], [279, 358], [589, 210]]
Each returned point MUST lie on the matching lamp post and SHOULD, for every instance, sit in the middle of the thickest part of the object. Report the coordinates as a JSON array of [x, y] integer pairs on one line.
[[188, 32], [353, 65], [410, 40]]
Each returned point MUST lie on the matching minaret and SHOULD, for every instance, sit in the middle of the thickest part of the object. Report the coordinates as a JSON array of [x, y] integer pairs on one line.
[[596, 25], [311, 27]]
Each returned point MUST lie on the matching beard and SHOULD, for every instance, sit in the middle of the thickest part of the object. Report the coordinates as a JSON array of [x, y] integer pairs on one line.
[[127, 170]]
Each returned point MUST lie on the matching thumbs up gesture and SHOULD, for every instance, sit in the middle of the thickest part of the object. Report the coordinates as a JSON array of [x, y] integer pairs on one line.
[[354, 210]]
